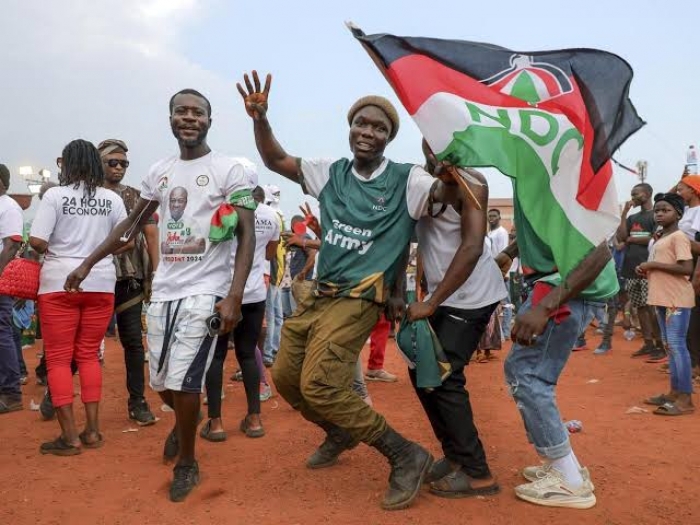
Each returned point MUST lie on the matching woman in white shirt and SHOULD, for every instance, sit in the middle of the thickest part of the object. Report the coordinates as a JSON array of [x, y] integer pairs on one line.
[[72, 220]]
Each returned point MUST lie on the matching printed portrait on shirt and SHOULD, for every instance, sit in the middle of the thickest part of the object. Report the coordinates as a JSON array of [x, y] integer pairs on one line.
[[180, 232]]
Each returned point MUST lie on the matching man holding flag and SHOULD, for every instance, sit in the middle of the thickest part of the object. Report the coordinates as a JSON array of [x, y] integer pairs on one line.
[[550, 121]]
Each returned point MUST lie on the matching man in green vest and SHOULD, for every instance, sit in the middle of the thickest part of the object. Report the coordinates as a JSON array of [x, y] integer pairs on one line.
[[369, 208]]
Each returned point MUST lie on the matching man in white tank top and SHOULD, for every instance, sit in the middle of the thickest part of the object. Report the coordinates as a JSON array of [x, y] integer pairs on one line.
[[465, 286]]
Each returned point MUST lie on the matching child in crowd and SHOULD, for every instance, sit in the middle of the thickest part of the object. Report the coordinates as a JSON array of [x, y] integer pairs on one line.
[[669, 266]]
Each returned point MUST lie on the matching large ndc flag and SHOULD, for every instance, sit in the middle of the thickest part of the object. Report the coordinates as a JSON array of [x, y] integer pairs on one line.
[[549, 120]]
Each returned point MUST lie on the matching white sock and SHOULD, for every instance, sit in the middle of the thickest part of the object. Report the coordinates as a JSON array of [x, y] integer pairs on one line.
[[570, 469], [576, 460]]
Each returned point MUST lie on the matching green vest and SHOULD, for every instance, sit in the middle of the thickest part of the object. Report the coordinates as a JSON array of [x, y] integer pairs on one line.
[[365, 229]]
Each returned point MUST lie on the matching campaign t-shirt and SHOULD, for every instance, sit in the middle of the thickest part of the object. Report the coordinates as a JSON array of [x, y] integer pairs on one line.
[[366, 223], [638, 225], [74, 224], [266, 230], [190, 192], [438, 240], [11, 222]]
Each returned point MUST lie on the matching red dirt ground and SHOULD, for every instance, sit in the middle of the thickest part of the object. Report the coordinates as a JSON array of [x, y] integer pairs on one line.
[[644, 466]]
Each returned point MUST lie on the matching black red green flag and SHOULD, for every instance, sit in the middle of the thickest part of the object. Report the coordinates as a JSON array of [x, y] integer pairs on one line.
[[550, 120]]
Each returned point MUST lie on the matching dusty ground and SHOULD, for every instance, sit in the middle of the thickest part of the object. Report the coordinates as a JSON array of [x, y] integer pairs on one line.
[[644, 467]]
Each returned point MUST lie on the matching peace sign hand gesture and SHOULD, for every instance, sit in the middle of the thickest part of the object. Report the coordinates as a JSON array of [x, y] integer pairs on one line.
[[254, 99], [311, 220]]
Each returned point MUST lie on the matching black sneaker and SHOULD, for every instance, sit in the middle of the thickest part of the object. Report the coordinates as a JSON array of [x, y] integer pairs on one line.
[[644, 351], [46, 407], [139, 412], [171, 448], [186, 477]]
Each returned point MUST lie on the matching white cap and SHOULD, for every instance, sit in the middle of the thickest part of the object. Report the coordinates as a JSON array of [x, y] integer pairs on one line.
[[250, 171], [272, 194]]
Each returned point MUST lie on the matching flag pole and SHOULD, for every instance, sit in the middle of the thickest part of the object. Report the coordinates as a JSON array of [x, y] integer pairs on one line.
[[463, 184]]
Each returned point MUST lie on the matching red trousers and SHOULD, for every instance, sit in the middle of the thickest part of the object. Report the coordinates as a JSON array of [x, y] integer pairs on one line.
[[73, 326], [377, 343]]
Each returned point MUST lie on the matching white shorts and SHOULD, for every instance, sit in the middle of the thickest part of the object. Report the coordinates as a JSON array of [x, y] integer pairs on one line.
[[179, 345]]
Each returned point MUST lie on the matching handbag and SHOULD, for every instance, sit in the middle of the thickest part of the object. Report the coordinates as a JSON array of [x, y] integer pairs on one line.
[[20, 278]]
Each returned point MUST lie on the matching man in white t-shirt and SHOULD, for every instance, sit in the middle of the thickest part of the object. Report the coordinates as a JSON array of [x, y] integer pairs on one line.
[[11, 226], [464, 287], [497, 233], [190, 285]]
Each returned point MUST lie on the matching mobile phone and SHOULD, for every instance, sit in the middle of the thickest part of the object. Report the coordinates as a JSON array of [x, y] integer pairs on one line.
[[213, 323]]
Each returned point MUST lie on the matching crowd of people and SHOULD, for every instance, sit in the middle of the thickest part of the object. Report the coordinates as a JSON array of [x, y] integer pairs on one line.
[[207, 249]]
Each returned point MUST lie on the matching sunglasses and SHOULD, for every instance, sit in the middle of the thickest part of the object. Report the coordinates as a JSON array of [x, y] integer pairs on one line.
[[113, 163]]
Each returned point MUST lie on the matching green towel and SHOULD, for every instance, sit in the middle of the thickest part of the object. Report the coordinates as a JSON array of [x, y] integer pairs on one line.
[[422, 350]]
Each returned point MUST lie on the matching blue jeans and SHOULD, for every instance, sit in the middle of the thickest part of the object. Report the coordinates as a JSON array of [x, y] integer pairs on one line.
[[673, 323], [288, 305], [17, 338], [532, 373], [599, 315], [273, 319], [507, 321], [9, 365]]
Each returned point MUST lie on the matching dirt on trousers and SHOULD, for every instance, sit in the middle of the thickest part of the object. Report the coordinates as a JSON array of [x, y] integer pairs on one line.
[[645, 467]]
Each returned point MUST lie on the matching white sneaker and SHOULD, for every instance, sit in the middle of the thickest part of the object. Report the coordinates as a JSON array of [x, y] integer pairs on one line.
[[265, 392], [553, 491], [540, 471], [380, 375]]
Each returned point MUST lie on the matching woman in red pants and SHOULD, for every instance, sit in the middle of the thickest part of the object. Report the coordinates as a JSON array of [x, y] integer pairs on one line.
[[72, 220]]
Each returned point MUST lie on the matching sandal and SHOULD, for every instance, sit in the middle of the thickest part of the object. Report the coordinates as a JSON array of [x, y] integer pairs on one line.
[[91, 444], [214, 437], [251, 432], [670, 409], [458, 484], [59, 447], [658, 401]]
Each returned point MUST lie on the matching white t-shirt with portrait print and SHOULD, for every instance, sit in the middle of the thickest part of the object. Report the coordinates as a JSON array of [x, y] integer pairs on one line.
[[267, 229], [74, 224], [190, 192]]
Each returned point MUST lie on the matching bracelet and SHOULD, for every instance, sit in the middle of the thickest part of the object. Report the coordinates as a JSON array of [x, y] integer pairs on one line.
[[303, 244]]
